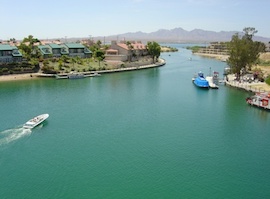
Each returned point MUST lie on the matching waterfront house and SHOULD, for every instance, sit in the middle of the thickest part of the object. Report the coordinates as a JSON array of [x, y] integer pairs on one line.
[[78, 50], [216, 48], [9, 54], [69, 49], [126, 50], [45, 50]]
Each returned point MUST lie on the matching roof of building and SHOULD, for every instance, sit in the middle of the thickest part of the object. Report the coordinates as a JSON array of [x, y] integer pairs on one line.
[[14, 49], [136, 46], [64, 49], [78, 46], [45, 49], [74, 45], [54, 46], [7, 47], [112, 50]]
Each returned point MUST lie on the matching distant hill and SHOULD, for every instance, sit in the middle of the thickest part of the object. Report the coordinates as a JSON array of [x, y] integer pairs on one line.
[[179, 35]]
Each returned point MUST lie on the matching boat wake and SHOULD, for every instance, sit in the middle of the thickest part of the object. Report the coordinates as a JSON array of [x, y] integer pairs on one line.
[[11, 135]]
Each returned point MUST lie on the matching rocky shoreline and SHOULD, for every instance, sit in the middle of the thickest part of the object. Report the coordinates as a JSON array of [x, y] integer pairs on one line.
[[251, 87], [30, 76]]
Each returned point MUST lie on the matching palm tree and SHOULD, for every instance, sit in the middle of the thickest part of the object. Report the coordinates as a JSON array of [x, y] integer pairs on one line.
[[130, 48]]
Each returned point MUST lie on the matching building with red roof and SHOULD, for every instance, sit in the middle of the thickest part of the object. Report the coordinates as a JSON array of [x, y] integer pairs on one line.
[[126, 50]]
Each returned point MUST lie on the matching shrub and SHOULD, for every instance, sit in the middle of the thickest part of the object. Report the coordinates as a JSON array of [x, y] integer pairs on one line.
[[48, 70], [264, 62], [46, 62], [17, 69], [267, 80], [4, 70]]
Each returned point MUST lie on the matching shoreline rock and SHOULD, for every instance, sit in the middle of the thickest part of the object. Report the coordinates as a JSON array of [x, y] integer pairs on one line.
[[30, 76]]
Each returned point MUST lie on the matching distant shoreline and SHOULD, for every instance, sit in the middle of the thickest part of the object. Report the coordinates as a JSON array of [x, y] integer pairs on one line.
[[215, 56]]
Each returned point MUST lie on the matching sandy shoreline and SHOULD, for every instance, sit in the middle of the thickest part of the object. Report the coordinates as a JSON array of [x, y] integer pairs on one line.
[[215, 56], [15, 77]]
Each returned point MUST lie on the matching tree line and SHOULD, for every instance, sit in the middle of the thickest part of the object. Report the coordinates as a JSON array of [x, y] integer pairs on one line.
[[244, 52], [32, 56]]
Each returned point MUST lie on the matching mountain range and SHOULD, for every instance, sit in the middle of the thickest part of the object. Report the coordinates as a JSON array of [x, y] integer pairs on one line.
[[180, 35]]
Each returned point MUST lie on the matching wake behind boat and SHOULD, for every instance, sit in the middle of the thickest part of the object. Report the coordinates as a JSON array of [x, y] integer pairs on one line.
[[35, 121]]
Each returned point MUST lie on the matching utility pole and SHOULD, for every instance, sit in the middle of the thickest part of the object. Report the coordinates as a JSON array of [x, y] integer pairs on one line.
[[90, 40]]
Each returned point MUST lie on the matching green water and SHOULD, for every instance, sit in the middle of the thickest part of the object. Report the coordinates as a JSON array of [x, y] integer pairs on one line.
[[140, 134]]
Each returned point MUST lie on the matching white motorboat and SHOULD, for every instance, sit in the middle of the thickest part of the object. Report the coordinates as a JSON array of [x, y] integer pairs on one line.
[[35, 121], [210, 80], [76, 76], [213, 79]]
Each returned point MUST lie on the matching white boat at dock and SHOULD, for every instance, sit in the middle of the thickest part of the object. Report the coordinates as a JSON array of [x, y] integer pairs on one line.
[[92, 75], [64, 76], [211, 82], [76, 75], [35, 121], [213, 79]]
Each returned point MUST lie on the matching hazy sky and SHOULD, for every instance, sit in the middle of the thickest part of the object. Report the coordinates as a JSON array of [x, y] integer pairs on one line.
[[81, 18]]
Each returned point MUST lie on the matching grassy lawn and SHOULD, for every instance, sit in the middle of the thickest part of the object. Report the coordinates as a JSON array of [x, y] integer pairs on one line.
[[84, 66], [89, 64]]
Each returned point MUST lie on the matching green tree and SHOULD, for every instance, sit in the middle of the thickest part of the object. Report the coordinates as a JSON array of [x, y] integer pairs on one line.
[[99, 43], [13, 40], [99, 55], [29, 49], [154, 50], [65, 59], [34, 62], [249, 32], [243, 51]]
